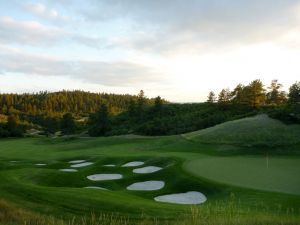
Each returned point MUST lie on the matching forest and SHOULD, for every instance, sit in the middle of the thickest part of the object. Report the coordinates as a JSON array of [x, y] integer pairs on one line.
[[102, 114]]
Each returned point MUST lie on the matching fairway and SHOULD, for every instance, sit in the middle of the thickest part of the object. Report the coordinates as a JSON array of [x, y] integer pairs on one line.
[[278, 174], [108, 176]]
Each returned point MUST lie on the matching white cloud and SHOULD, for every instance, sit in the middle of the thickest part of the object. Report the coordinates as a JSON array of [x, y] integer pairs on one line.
[[42, 11], [106, 73], [36, 34], [196, 25], [28, 32]]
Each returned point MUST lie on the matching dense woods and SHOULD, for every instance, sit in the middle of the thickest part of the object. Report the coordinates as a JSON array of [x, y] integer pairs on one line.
[[58, 103], [100, 114]]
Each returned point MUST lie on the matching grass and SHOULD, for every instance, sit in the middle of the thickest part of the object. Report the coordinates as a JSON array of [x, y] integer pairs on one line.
[[253, 131], [240, 188], [231, 213], [276, 174]]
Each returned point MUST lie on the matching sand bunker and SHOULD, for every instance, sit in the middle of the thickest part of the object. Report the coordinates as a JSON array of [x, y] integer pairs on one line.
[[105, 176], [68, 170], [147, 169], [110, 165], [134, 163], [78, 161], [191, 197], [82, 164], [40, 164], [95, 187], [151, 185]]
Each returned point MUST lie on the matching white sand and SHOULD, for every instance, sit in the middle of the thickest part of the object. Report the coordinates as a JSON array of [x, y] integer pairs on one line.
[[151, 185], [95, 187], [82, 164], [147, 169], [40, 164], [134, 163], [78, 161], [68, 170], [191, 197], [104, 176], [110, 165]]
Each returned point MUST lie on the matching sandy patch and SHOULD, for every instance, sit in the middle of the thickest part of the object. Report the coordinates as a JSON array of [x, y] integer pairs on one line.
[[151, 185], [147, 169], [82, 164], [68, 170], [78, 161], [134, 163], [110, 165], [95, 187], [105, 176], [40, 164], [191, 197]]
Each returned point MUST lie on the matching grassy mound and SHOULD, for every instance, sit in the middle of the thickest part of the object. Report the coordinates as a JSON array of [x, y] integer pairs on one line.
[[252, 131]]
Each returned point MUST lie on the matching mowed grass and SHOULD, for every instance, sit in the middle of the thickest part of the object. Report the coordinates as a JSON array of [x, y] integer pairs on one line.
[[46, 192], [253, 131], [277, 174]]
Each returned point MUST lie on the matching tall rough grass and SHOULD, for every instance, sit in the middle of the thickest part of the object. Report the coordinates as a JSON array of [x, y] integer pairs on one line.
[[221, 213]]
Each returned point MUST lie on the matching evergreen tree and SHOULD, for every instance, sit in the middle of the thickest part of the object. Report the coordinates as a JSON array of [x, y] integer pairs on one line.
[[132, 108], [141, 100], [99, 122], [211, 98], [294, 93], [275, 95], [12, 122], [68, 125], [239, 95], [157, 104], [256, 93], [224, 96], [13, 128]]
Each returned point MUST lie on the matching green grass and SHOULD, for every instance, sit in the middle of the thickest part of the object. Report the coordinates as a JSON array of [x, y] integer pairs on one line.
[[253, 131], [276, 174], [42, 193]]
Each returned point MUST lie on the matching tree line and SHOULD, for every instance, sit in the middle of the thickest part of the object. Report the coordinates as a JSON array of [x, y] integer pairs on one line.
[[255, 95], [58, 111], [59, 103], [108, 114]]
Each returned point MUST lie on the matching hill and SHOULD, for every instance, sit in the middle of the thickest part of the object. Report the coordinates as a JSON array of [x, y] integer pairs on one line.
[[251, 131]]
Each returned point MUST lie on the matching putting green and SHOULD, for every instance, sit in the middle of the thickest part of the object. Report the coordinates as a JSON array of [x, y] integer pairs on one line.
[[277, 174]]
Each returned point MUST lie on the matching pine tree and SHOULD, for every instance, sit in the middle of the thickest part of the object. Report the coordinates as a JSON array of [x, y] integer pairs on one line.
[[275, 96], [211, 98], [224, 96], [157, 104], [294, 93], [256, 93], [99, 122], [68, 125]]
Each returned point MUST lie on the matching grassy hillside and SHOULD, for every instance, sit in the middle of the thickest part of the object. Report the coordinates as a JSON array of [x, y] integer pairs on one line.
[[252, 131]]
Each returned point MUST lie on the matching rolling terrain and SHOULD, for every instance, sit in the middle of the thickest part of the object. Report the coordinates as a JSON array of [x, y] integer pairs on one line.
[[238, 179]]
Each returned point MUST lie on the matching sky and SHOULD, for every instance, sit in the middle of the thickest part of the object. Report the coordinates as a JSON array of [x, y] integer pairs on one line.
[[179, 49]]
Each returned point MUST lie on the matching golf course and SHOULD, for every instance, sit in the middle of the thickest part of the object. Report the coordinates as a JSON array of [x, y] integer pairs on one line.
[[211, 176]]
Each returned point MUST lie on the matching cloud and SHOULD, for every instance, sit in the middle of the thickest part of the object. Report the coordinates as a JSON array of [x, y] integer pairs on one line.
[[42, 11], [37, 34], [28, 32], [196, 25], [121, 73]]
